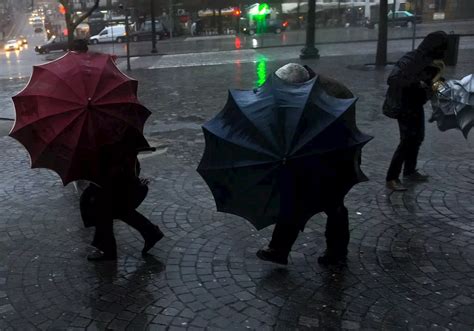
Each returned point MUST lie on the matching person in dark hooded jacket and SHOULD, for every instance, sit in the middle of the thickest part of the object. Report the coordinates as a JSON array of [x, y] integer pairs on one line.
[[410, 86], [337, 225]]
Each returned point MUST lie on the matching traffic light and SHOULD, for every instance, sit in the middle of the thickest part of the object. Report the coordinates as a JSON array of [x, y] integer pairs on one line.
[[62, 9], [237, 12]]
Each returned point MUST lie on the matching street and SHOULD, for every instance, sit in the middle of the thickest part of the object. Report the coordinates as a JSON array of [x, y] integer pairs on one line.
[[16, 67], [410, 258], [411, 254]]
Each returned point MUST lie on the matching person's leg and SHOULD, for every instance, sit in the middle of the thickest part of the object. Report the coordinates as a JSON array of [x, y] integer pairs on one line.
[[283, 238], [415, 137], [150, 232], [399, 156], [337, 235], [104, 240]]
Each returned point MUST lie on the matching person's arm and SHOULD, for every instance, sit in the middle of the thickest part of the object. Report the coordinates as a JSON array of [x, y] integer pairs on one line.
[[407, 70]]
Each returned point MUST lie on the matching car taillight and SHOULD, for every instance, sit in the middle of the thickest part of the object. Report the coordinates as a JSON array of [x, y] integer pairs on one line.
[[285, 24]]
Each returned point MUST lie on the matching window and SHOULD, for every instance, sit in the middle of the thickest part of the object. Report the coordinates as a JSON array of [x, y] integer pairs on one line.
[[439, 5]]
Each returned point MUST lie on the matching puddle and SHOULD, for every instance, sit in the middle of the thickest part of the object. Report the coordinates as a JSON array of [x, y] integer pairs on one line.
[[163, 127]]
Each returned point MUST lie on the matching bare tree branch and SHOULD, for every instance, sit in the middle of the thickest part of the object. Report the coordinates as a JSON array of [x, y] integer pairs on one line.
[[81, 18], [72, 24]]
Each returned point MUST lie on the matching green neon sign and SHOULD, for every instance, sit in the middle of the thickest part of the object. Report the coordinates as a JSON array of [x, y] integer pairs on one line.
[[261, 68]]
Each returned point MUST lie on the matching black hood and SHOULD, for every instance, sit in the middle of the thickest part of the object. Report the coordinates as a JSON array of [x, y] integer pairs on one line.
[[434, 45]]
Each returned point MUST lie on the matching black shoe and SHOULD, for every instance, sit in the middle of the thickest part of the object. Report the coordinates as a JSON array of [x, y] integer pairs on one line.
[[272, 255], [99, 256], [395, 185], [152, 240], [332, 259], [416, 177]]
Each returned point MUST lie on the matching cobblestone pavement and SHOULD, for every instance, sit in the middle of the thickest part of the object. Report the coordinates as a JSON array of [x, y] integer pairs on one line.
[[411, 256]]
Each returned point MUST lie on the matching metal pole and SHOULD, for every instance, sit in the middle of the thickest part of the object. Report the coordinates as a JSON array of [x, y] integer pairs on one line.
[[309, 51], [171, 19], [127, 31], [153, 27], [414, 28]]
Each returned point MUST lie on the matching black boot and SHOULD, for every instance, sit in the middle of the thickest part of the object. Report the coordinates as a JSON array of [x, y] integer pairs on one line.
[[152, 239], [329, 258], [101, 256], [272, 255]]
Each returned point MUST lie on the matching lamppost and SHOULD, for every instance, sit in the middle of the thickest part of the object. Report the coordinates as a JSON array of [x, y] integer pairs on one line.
[[309, 51], [153, 27], [127, 33]]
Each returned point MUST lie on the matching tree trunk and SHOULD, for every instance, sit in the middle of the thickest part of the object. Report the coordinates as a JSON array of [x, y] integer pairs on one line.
[[71, 24], [381, 57], [219, 22]]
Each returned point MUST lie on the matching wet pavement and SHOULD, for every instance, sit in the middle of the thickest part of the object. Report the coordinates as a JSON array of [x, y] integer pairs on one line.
[[411, 256]]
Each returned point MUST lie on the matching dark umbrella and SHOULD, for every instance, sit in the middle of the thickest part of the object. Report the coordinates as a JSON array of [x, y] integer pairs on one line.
[[453, 105], [285, 151]]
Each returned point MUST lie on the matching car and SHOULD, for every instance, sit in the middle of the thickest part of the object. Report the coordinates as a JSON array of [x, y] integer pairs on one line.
[[271, 25], [53, 44], [401, 18], [22, 40], [109, 34], [12, 45], [144, 33]]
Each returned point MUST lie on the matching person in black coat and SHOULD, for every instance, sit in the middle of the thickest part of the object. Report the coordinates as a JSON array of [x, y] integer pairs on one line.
[[410, 87], [116, 195], [286, 230]]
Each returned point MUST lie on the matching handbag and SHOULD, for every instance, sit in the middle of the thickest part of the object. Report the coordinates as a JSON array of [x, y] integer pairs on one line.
[[392, 106]]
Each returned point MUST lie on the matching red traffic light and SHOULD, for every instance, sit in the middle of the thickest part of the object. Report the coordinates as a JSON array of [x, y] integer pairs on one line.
[[62, 10], [237, 12]]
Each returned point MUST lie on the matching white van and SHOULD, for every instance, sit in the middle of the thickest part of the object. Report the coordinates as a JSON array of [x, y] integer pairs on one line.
[[110, 33]]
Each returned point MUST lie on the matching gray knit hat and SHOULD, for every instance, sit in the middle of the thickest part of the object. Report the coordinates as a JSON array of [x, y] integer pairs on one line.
[[293, 73]]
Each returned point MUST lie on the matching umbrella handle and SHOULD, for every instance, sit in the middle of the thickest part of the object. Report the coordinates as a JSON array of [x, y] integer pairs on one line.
[[146, 149]]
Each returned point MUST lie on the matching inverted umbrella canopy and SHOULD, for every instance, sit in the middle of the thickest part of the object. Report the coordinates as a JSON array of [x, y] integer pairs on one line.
[[71, 108], [282, 153], [453, 105]]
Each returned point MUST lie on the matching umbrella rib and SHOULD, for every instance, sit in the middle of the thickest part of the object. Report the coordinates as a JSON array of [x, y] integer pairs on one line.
[[114, 115], [299, 121], [240, 166], [102, 72], [269, 143], [267, 153], [61, 78], [57, 135], [317, 133], [111, 90], [47, 97], [75, 148], [36, 120]]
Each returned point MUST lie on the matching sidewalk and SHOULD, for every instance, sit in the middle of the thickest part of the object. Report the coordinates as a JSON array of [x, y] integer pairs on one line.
[[411, 256]]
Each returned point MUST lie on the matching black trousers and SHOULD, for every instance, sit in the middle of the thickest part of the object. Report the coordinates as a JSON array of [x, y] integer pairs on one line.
[[104, 238], [337, 232], [412, 133]]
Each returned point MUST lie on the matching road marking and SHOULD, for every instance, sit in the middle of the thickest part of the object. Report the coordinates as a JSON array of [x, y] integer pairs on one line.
[[209, 37], [205, 59]]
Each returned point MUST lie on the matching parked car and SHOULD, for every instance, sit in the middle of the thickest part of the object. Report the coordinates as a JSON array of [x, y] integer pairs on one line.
[[144, 33], [109, 34], [53, 44], [401, 18], [12, 45], [271, 25]]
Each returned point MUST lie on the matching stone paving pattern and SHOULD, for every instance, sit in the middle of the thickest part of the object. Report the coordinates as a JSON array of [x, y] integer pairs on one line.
[[411, 256]]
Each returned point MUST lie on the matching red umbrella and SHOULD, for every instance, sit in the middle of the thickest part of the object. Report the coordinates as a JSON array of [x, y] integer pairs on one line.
[[71, 108]]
